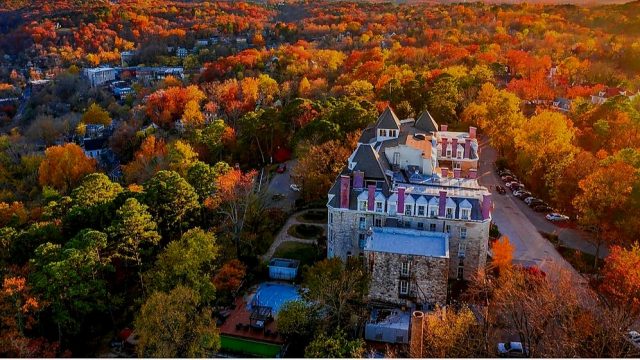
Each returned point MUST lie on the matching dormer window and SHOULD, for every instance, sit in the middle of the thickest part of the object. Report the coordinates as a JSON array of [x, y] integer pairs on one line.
[[449, 213], [465, 214], [460, 153], [383, 132], [392, 133], [448, 152], [362, 205], [379, 207]]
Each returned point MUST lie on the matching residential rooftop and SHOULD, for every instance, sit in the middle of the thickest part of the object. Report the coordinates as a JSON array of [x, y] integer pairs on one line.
[[408, 242]]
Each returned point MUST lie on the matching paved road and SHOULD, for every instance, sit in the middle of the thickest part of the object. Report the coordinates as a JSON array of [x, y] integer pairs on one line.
[[568, 236], [279, 184], [530, 246]]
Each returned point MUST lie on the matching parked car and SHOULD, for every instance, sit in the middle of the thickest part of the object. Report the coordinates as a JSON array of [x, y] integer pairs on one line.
[[542, 208], [523, 194], [281, 168], [294, 187], [514, 185], [529, 200], [634, 336], [556, 217], [507, 178], [500, 190], [504, 172], [512, 349]]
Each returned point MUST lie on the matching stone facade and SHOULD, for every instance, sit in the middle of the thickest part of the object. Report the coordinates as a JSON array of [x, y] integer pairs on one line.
[[426, 278], [346, 234]]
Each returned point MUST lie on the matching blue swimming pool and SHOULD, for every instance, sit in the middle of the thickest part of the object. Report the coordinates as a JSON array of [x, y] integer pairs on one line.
[[274, 296]]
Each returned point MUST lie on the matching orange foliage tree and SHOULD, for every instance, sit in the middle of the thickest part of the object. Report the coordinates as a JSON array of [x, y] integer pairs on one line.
[[621, 277], [148, 160], [64, 166], [502, 253], [230, 276]]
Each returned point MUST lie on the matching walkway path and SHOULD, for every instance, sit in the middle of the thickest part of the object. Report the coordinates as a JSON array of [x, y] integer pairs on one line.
[[283, 236]]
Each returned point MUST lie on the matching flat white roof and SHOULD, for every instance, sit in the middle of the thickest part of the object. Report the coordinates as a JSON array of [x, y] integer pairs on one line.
[[408, 242]]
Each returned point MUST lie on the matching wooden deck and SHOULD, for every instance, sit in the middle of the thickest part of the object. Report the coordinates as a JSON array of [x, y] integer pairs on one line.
[[240, 315]]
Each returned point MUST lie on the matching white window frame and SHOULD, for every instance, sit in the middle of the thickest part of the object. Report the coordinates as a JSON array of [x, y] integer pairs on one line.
[[383, 132], [404, 268], [363, 205], [421, 209], [379, 206], [378, 222], [463, 232], [404, 287], [449, 212], [393, 208], [408, 208], [462, 247], [465, 213], [460, 154], [447, 229], [432, 227], [457, 165], [362, 223]]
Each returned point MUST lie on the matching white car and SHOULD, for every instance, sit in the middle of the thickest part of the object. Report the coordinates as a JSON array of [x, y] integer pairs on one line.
[[556, 217], [294, 187], [634, 336], [512, 349]]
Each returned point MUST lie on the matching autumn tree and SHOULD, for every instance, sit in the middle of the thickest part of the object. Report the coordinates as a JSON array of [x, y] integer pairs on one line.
[[545, 146], [166, 106], [297, 322], [64, 166], [230, 276], [70, 279], [337, 287], [502, 254], [95, 114], [318, 167], [147, 161], [92, 203], [498, 113], [451, 333], [19, 310], [181, 156], [337, 345], [188, 261], [621, 277], [603, 201], [234, 196], [133, 230], [170, 199], [192, 118], [176, 324], [203, 177]]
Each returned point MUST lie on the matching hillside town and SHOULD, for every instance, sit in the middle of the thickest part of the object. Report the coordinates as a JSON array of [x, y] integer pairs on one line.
[[321, 179]]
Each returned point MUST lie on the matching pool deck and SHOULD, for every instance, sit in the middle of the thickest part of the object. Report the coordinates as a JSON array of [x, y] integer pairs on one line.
[[241, 315]]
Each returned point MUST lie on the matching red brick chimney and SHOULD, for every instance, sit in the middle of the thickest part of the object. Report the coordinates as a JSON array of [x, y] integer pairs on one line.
[[358, 179], [372, 197], [400, 208], [444, 146], [454, 147], [442, 204], [345, 189], [486, 206], [445, 172], [467, 148], [444, 127], [473, 173], [472, 132], [416, 334], [456, 173]]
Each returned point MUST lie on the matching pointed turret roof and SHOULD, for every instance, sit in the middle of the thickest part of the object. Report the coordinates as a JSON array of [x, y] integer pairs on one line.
[[426, 122], [388, 120]]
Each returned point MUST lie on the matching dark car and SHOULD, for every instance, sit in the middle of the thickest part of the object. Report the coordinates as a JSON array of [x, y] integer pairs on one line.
[[501, 190], [507, 178], [537, 202], [281, 168], [542, 208], [523, 195]]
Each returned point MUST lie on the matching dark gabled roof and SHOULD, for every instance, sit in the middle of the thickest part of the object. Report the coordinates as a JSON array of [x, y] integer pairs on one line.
[[426, 122], [95, 144], [367, 135], [368, 161], [388, 120]]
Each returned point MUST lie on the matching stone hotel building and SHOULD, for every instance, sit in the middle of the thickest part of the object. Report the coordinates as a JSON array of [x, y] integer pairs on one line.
[[408, 202]]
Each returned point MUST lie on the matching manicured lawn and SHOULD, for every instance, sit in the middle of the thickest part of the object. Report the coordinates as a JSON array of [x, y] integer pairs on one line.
[[249, 347], [305, 231], [313, 216], [307, 254]]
